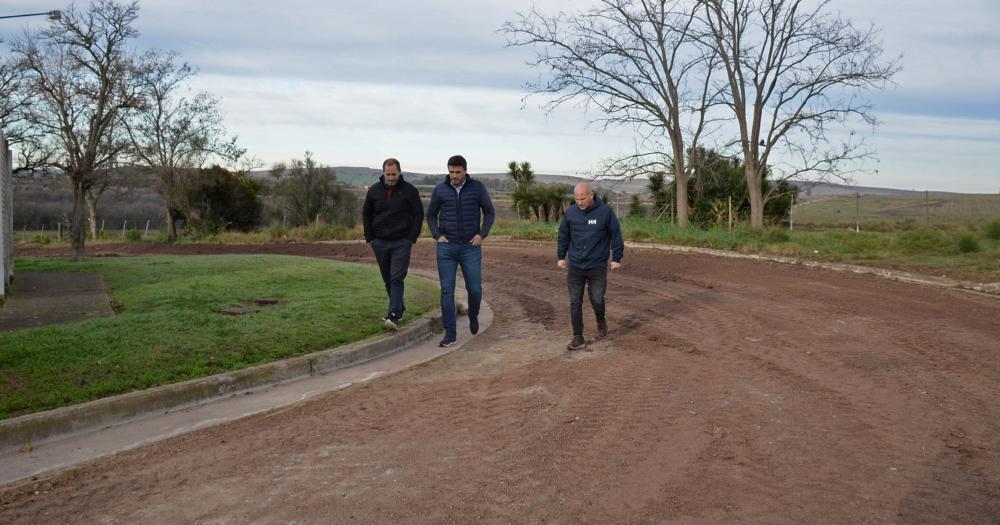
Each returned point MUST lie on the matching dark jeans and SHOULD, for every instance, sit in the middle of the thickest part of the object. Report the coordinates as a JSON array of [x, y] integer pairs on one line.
[[596, 280], [393, 261], [449, 258]]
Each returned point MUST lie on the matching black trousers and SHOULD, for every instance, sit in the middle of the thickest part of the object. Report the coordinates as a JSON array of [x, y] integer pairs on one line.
[[596, 281], [393, 261]]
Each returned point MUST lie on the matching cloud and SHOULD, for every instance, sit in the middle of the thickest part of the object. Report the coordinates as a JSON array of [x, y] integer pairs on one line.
[[357, 81], [360, 123]]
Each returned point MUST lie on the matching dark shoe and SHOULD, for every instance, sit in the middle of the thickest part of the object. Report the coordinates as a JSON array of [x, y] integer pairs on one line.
[[602, 328], [390, 324], [578, 343], [474, 325], [447, 341]]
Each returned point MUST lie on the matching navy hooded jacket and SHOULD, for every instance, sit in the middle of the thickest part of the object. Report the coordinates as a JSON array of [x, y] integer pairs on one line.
[[456, 214], [588, 236]]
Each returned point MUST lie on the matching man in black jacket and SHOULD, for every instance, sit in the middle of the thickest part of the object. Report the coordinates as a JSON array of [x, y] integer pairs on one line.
[[393, 216], [588, 233]]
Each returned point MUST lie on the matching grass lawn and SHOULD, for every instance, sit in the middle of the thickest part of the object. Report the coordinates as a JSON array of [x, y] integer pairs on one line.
[[884, 212], [961, 252], [168, 330]]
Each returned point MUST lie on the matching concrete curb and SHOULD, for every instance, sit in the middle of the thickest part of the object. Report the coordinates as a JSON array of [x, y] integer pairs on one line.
[[33, 428]]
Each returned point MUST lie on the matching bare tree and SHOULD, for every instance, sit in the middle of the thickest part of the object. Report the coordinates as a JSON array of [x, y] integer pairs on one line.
[[639, 63], [13, 97], [791, 70], [305, 189], [15, 100], [175, 130], [80, 75]]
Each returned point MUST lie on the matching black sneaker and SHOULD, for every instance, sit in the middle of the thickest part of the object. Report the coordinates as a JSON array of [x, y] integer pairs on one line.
[[447, 341], [474, 325], [602, 328], [578, 343]]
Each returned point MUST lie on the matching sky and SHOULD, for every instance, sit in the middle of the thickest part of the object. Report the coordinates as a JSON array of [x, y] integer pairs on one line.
[[356, 82]]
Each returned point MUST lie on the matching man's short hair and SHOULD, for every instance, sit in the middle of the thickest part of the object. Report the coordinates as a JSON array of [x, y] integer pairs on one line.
[[391, 162], [458, 160]]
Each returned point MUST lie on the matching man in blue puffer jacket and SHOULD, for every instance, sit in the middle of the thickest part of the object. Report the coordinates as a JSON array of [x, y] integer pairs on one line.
[[588, 233], [460, 216]]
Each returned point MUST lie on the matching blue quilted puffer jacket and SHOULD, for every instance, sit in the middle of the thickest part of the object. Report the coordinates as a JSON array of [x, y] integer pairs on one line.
[[456, 215]]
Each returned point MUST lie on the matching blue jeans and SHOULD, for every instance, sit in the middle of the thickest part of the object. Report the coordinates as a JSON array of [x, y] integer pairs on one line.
[[449, 257]]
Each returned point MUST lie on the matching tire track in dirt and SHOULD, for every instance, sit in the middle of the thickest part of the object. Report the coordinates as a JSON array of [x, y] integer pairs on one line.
[[727, 391]]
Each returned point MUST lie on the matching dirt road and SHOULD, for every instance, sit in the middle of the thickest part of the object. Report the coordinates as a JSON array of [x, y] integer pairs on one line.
[[727, 391]]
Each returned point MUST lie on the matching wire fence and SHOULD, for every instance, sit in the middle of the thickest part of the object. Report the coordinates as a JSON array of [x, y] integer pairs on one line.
[[58, 231]]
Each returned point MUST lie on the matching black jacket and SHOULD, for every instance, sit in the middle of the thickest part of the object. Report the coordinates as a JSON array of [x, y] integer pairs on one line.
[[588, 236], [400, 216]]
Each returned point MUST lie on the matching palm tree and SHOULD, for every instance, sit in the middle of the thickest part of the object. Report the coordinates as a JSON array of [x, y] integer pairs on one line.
[[521, 174], [526, 175]]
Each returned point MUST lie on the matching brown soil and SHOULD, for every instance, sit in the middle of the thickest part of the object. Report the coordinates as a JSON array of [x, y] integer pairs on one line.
[[727, 391]]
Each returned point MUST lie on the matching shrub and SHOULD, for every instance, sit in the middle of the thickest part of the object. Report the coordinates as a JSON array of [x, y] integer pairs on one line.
[[968, 243], [220, 199], [277, 232], [635, 208], [326, 232], [133, 235], [923, 241], [993, 230], [41, 238]]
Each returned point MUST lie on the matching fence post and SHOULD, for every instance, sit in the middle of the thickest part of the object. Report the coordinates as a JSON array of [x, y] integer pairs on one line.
[[730, 213], [857, 213], [145, 233], [124, 222], [791, 211]]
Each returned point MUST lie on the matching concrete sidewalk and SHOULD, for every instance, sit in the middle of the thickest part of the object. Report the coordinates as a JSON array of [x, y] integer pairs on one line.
[[40, 299], [69, 449]]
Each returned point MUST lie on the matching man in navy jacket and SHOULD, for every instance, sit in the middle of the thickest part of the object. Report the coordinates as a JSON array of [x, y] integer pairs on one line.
[[588, 233], [460, 216], [393, 216]]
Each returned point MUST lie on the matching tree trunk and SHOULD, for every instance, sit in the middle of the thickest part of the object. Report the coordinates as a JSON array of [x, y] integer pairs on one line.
[[92, 213], [79, 206], [681, 186], [756, 196], [171, 227]]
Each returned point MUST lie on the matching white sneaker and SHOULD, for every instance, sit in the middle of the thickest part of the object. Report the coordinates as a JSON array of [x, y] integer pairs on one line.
[[391, 325]]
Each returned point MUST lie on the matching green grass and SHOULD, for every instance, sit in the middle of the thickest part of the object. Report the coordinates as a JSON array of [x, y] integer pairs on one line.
[[963, 252], [895, 212], [168, 330]]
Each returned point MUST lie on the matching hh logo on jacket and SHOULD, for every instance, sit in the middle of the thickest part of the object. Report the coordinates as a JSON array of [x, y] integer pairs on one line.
[[591, 221]]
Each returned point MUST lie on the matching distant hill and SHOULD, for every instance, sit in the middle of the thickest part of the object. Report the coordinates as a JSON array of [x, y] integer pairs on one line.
[[359, 176], [813, 190]]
